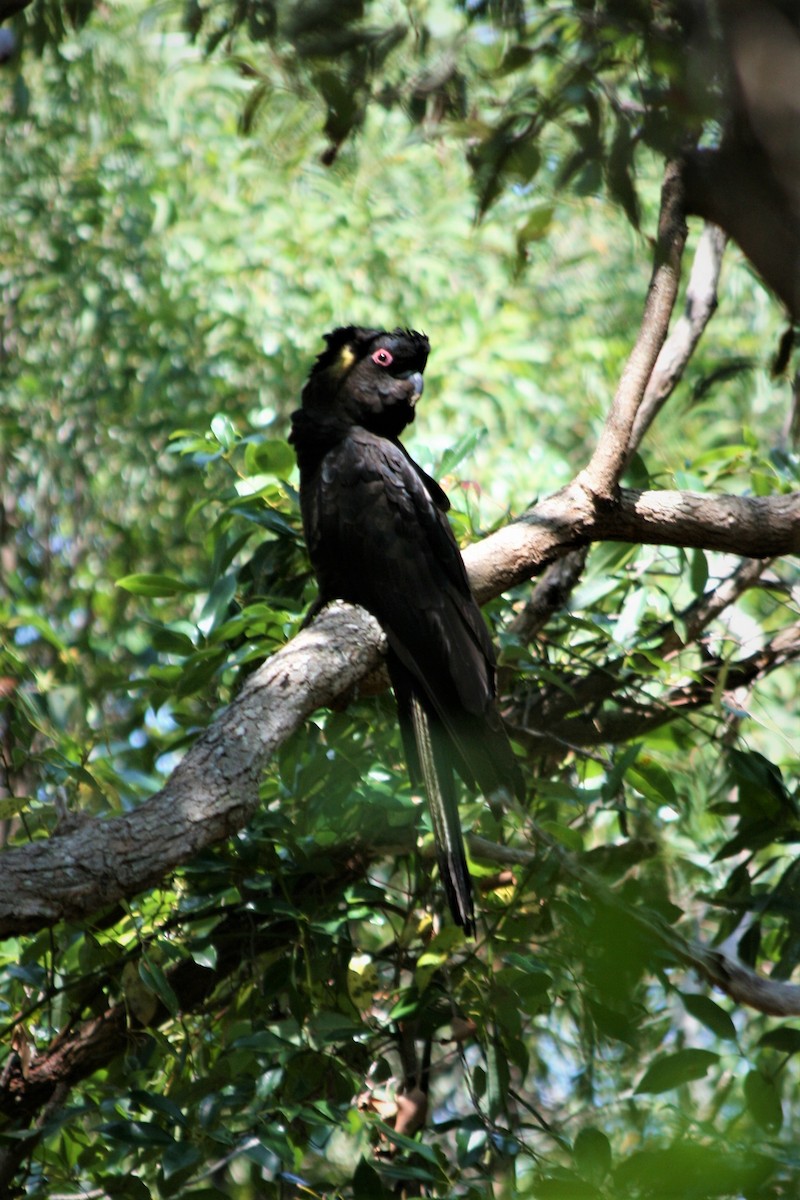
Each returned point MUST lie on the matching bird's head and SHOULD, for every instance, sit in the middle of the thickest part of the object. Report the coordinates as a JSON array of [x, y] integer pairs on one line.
[[368, 377]]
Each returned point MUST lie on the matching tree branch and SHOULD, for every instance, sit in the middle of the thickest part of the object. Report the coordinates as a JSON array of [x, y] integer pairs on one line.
[[211, 794], [214, 790], [602, 475], [721, 969], [560, 577], [631, 721], [699, 307], [547, 711], [748, 526]]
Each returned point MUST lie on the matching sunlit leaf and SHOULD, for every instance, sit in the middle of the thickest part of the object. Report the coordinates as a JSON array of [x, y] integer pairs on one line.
[[154, 585]]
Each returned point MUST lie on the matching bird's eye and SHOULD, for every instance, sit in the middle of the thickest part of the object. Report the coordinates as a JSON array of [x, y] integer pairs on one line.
[[382, 358]]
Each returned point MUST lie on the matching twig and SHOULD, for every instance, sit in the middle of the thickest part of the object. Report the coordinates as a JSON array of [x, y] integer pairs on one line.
[[721, 969], [548, 708]]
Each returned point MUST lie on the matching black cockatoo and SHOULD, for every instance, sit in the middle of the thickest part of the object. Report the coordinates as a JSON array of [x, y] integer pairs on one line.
[[378, 536]]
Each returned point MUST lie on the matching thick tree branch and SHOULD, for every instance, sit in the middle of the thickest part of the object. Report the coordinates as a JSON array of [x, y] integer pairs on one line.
[[748, 526], [212, 793], [214, 790]]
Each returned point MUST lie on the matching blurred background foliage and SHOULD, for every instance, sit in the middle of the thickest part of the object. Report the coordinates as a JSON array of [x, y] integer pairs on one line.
[[190, 197]]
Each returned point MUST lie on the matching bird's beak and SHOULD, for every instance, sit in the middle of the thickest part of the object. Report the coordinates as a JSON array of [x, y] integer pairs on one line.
[[417, 381]]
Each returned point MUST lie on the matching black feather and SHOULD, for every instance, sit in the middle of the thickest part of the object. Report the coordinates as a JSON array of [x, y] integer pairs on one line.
[[378, 536]]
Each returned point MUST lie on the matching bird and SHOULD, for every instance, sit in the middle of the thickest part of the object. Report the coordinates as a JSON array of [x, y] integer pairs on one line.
[[378, 536]]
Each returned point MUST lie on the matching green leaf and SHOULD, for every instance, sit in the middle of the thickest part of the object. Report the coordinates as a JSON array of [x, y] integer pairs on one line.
[[437, 954], [273, 457], [204, 956], [786, 1039], [12, 806], [156, 981], [409, 1144], [708, 1013], [160, 1104], [592, 1151], [218, 602], [154, 585], [407, 1006], [536, 225], [124, 1187], [689, 1169], [180, 1156], [653, 781], [462, 449], [137, 1133], [698, 575], [565, 834], [367, 1183], [673, 1070], [763, 1101], [630, 616]]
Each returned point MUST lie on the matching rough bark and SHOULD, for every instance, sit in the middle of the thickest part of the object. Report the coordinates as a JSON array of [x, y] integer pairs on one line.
[[210, 795]]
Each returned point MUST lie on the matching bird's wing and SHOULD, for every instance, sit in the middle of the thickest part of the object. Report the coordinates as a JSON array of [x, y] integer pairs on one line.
[[380, 539]]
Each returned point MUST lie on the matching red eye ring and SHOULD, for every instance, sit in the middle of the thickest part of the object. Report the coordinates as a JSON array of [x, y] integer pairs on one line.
[[382, 358]]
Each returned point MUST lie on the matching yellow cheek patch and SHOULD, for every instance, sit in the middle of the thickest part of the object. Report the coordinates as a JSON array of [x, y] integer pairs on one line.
[[346, 359]]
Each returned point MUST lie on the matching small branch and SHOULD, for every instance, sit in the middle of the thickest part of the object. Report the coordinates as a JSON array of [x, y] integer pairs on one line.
[[601, 477], [721, 969], [550, 594], [548, 708], [632, 721], [699, 308], [561, 576], [698, 615]]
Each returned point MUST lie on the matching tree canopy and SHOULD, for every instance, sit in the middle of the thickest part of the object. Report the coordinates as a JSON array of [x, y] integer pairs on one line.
[[226, 965]]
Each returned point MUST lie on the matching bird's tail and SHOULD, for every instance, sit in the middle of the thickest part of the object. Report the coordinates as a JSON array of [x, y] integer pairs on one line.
[[437, 774]]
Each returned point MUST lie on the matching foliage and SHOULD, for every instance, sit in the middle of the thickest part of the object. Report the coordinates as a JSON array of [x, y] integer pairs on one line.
[[278, 1005]]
